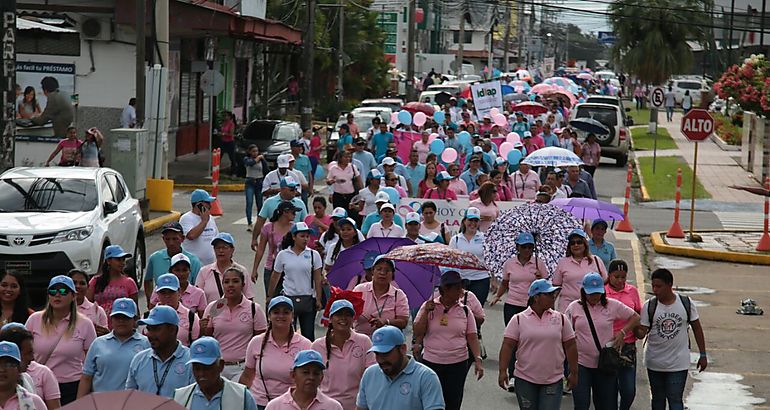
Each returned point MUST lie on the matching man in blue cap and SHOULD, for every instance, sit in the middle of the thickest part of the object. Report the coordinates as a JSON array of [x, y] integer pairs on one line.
[[211, 390], [605, 250], [109, 357], [397, 381], [199, 227], [160, 261], [163, 368], [13, 396]]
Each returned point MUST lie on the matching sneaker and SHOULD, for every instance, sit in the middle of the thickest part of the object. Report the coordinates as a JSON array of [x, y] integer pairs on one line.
[[510, 385], [566, 390], [248, 228]]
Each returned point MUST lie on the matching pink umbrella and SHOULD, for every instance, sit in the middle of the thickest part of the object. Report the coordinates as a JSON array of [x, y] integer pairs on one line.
[[585, 76], [541, 88], [531, 108]]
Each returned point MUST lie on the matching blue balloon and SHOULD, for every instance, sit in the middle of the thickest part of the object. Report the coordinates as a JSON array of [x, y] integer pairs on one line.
[[464, 138], [514, 156], [395, 198], [439, 116], [404, 117], [320, 173], [437, 146]]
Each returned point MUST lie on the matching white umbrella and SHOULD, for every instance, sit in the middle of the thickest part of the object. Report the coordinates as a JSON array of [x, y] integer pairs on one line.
[[551, 157]]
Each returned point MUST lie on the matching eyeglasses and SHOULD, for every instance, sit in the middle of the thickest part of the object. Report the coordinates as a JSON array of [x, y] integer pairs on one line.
[[58, 291], [392, 179], [576, 242]]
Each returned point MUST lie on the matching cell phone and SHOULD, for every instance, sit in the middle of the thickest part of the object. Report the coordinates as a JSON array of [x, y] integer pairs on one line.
[[201, 207]]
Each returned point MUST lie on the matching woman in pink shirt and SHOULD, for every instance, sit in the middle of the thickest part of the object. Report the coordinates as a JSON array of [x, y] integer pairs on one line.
[[502, 165], [442, 190], [14, 298], [457, 184], [428, 180], [233, 320], [341, 177], [571, 269], [38, 379], [443, 336], [315, 149], [62, 336], [617, 288], [319, 222], [525, 183], [504, 193], [422, 146], [92, 311], [593, 307], [391, 181], [486, 204], [270, 237], [345, 353], [384, 304], [591, 154], [112, 283], [542, 338], [209, 278], [271, 377], [307, 373], [69, 148]]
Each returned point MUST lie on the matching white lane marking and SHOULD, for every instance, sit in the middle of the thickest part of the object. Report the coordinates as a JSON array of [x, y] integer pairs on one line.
[[740, 220], [720, 391], [241, 221]]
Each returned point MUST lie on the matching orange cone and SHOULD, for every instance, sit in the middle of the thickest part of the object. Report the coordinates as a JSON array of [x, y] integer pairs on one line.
[[764, 242], [675, 231], [625, 224], [216, 208]]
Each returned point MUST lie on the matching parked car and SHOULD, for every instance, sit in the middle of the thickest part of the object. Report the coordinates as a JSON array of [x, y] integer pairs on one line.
[[54, 219], [696, 87], [612, 100], [393, 103], [362, 117], [271, 136], [452, 89], [614, 145]]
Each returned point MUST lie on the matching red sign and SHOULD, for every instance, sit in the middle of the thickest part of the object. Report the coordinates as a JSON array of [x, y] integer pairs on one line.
[[697, 125]]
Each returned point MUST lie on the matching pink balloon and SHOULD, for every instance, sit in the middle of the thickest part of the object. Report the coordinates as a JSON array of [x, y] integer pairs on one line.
[[505, 148], [494, 111], [500, 120], [513, 138], [449, 155], [419, 119], [394, 117], [432, 137]]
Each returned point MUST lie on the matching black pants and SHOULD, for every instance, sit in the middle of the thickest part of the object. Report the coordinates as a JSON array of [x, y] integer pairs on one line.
[[228, 148], [508, 312], [452, 378], [69, 392], [342, 200], [590, 169], [306, 324]]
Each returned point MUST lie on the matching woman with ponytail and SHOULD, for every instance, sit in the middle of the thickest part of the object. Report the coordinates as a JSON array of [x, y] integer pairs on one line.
[[345, 352], [270, 378], [112, 283]]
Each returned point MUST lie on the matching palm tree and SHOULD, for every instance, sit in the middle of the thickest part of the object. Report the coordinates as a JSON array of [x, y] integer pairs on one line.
[[652, 35]]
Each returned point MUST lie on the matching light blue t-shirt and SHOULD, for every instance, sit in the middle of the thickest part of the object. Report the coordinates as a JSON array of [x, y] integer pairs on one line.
[[302, 164], [470, 179], [159, 263], [199, 401], [606, 252], [416, 387], [415, 175], [344, 140], [143, 377], [367, 160], [550, 140], [380, 143], [270, 205], [108, 360], [375, 217]]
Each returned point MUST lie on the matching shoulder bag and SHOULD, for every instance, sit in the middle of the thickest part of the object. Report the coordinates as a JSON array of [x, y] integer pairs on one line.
[[305, 303], [609, 357]]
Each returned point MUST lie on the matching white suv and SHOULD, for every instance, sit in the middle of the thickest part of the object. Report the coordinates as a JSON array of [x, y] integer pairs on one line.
[[56, 219], [614, 145]]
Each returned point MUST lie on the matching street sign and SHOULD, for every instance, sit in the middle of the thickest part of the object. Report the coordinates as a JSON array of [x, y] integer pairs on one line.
[[212, 82], [388, 23], [606, 37], [697, 125], [657, 97]]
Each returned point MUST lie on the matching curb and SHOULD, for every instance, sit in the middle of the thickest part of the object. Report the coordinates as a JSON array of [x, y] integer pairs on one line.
[[209, 187], [722, 144], [642, 188], [660, 246], [155, 223]]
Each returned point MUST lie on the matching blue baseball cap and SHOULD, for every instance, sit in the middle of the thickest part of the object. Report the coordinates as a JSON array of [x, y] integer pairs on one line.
[[473, 213], [386, 339], [578, 232], [115, 251], [382, 258], [339, 212], [224, 237], [450, 277], [306, 357], [599, 221], [525, 238], [200, 195], [9, 349], [443, 176], [340, 304], [369, 259], [593, 283], [500, 161], [161, 315], [412, 217], [12, 325], [280, 300], [167, 281], [300, 227], [124, 306], [62, 280], [541, 286], [289, 182], [205, 351]]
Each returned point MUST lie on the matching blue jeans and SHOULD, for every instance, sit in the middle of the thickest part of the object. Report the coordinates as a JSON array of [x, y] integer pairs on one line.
[[667, 386], [603, 386], [627, 386], [508, 312], [538, 396], [253, 189], [669, 113], [480, 288]]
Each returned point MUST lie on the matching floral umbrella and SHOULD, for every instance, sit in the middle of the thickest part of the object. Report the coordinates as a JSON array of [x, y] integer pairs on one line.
[[549, 224], [436, 254]]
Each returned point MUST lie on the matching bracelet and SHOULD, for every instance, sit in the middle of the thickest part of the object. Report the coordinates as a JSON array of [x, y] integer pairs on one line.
[[703, 354], [623, 332], [388, 322]]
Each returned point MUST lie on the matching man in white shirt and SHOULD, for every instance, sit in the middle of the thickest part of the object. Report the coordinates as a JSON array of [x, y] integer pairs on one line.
[[128, 116], [199, 227], [271, 185]]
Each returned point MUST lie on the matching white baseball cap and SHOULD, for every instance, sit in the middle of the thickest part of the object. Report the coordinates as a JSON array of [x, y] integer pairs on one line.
[[283, 161], [388, 161], [412, 217], [388, 206], [473, 213], [382, 196]]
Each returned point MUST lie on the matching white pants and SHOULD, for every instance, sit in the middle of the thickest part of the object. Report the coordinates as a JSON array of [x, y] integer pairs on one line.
[[233, 372]]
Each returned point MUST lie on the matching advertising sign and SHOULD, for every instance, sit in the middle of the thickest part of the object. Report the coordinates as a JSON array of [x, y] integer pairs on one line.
[[28, 77], [487, 96]]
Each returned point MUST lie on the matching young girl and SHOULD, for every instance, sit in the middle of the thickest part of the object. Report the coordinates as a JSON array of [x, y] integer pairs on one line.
[[386, 228], [14, 299], [89, 150], [112, 283], [91, 310], [319, 222], [430, 225]]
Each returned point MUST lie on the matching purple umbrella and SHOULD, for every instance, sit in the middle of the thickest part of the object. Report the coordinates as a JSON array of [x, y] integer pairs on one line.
[[587, 208], [416, 280]]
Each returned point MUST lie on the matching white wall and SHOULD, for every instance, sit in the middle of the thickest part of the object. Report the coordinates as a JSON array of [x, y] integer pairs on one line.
[[477, 41]]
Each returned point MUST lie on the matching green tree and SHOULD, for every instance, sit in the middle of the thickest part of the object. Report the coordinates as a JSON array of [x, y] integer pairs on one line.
[[652, 35]]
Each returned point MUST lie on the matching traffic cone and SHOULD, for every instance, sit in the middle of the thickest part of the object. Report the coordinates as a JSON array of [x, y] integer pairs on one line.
[[675, 231], [764, 242], [216, 208], [625, 224]]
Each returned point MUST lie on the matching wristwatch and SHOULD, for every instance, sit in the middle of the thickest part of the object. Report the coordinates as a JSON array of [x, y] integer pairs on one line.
[[479, 358]]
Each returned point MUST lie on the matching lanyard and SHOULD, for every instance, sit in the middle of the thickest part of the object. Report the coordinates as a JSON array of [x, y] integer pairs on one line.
[[377, 305], [159, 384], [523, 183]]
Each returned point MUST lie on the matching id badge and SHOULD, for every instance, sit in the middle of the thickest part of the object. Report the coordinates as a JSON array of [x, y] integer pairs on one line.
[[444, 321]]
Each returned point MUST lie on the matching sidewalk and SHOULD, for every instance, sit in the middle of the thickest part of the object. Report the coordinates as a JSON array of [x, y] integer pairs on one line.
[[717, 170]]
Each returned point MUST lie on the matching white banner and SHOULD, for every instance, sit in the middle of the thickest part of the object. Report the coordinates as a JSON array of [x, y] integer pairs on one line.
[[487, 96], [451, 213]]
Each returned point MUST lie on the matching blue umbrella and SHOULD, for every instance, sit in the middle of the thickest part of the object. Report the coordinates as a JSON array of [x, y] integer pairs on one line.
[[506, 89], [590, 125]]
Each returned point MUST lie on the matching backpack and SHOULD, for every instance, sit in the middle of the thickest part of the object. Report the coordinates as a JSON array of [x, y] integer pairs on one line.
[[653, 305]]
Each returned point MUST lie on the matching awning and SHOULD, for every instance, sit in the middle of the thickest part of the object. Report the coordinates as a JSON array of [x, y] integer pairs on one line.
[[24, 24]]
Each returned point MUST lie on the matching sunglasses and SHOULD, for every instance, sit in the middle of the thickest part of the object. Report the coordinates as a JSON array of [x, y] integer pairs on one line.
[[392, 179], [576, 242], [58, 291]]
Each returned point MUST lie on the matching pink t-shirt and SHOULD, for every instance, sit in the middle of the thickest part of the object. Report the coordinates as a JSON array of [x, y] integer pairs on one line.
[[206, 281], [486, 210], [345, 368], [569, 275], [69, 151], [66, 361], [274, 238], [94, 312], [192, 298], [320, 402], [315, 234], [315, 144], [391, 304], [183, 331], [540, 352], [603, 318], [423, 149], [46, 385], [435, 193], [629, 295], [122, 287], [234, 327], [445, 340], [459, 186], [342, 177], [275, 370], [520, 276], [525, 186], [13, 402]]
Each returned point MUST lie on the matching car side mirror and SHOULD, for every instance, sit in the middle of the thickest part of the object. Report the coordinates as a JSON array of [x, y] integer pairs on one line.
[[110, 208], [628, 109]]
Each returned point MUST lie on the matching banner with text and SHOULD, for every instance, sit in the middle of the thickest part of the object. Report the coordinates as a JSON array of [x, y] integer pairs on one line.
[[451, 213], [487, 96]]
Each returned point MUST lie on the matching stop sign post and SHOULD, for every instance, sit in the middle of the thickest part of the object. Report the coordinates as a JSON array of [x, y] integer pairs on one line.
[[697, 125]]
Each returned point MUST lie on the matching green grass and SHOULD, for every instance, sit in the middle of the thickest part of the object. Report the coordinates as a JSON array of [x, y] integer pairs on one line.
[[644, 141], [641, 117], [662, 185]]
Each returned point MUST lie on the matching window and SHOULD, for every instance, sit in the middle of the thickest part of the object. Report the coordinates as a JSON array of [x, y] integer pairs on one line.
[[107, 192], [241, 81], [36, 42], [117, 188], [468, 37], [47, 195]]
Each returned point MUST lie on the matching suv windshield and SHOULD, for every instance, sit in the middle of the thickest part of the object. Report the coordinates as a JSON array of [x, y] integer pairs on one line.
[[47, 195], [284, 133], [604, 100], [606, 116], [689, 85]]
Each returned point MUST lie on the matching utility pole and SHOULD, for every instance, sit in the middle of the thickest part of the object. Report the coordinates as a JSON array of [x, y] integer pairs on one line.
[[410, 37], [341, 63], [730, 38], [762, 27], [140, 62], [507, 36], [461, 42], [566, 48], [308, 55]]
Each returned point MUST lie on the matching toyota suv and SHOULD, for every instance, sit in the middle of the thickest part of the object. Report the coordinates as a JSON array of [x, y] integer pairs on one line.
[[56, 219], [615, 144]]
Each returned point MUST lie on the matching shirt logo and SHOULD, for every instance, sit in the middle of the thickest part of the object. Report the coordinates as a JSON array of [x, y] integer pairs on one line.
[[199, 349], [669, 325], [405, 388], [357, 352], [6, 348], [138, 348], [244, 317], [179, 368]]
